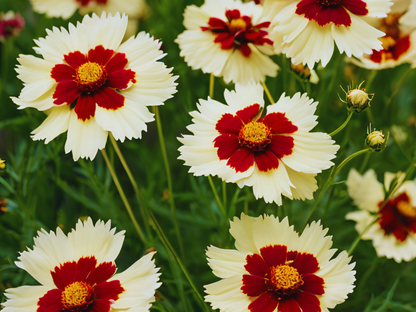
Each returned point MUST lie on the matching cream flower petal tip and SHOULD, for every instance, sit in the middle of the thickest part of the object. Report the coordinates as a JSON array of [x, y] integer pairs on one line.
[[77, 273], [271, 150], [277, 269], [394, 234], [229, 39], [306, 30], [88, 82], [66, 8]]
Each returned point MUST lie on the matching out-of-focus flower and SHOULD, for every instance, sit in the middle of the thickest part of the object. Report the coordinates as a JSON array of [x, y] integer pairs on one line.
[[394, 234], [306, 30], [399, 42], [275, 154], [76, 273], [306, 73], [229, 39], [376, 140], [273, 267], [10, 24], [90, 85], [66, 8], [2, 164], [357, 99], [3, 206]]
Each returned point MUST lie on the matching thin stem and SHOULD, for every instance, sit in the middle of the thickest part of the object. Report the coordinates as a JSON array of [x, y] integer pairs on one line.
[[343, 125], [268, 93], [217, 198], [331, 178], [364, 163], [370, 79], [358, 239], [168, 177], [211, 85], [131, 178], [122, 195], [185, 272], [398, 86], [284, 70], [224, 193]]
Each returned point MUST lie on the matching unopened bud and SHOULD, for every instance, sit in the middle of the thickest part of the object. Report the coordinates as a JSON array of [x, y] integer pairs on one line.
[[376, 140], [357, 99], [2, 164]]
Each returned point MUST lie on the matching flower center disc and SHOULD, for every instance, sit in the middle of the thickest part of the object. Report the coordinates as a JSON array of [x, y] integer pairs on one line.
[[90, 76], [406, 209], [77, 296], [284, 279], [236, 25], [328, 2], [255, 135]]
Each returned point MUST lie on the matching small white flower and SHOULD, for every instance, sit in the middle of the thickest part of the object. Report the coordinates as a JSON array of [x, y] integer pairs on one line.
[[394, 234], [229, 39], [77, 273], [276, 269], [275, 154], [90, 84]]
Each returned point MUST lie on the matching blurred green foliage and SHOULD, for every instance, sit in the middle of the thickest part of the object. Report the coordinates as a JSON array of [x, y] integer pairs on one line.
[[44, 188]]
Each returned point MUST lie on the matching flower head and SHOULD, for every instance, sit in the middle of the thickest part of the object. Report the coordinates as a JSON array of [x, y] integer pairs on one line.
[[77, 273], [10, 24], [229, 39], [376, 140], [399, 41], [273, 267], [394, 233], [357, 99], [91, 85], [66, 8], [275, 154], [305, 30]]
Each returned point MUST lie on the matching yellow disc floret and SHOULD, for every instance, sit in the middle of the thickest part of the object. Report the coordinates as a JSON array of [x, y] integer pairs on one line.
[[255, 135], [90, 76], [284, 279], [237, 25], [406, 209], [77, 296]]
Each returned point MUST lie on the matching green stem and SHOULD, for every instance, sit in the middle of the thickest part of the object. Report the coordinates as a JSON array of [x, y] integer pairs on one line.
[[224, 194], [169, 178], [398, 87], [284, 71], [343, 125], [364, 163], [370, 79], [123, 196], [185, 272], [132, 180], [269, 96], [331, 178], [217, 198], [211, 85]]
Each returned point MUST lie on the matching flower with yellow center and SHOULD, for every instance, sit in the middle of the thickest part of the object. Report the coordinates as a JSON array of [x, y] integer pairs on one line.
[[77, 273], [275, 269], [394, 233]]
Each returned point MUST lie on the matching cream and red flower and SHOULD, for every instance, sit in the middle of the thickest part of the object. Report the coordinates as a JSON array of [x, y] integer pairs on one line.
[[77, 273], [229, 39], [10, 24], [394, 233], [275, 268], [275, 154], [306, 30], [399, 43], [90, 85], [67, 8]]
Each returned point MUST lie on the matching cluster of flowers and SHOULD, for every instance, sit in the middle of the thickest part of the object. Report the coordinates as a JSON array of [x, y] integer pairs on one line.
[[91, 84]]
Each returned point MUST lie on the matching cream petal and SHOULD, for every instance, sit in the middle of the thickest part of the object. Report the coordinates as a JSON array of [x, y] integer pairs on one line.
[[226, 262], [23, 299], [56, 123], [42, 103], [140, 282], [52, 8], [304, 184], [244, 96], [242, 231], [84, 138]]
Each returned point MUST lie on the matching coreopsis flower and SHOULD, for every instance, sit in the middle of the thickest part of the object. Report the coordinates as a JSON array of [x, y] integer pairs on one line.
[[394, 233], [275, 269], [90, 84], [229, 39], [305, 30], [77, 273], [275, 154], [399, 42], [10, 24], [66, 8]]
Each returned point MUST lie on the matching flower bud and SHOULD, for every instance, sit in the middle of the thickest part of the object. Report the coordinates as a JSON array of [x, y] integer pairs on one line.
[[376, 141], [10, 25], [357, 99], [2, 165]]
